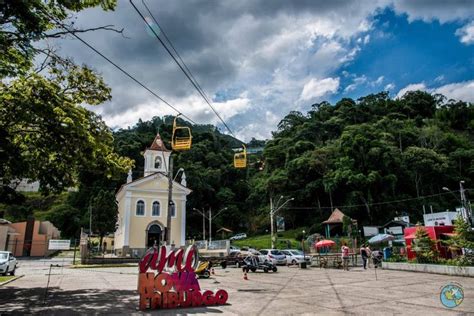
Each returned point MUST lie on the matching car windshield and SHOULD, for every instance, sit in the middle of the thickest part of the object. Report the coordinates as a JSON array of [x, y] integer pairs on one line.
[[297, 252], [3, 256], [276, 252]]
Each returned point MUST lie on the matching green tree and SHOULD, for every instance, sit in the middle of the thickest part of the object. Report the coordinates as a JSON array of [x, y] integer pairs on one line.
[[104, 213], [462, 240], [424, 246]]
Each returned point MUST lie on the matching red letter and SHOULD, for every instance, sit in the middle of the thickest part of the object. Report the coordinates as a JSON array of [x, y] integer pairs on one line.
[[208, 298], [221, 297], [163, 283]]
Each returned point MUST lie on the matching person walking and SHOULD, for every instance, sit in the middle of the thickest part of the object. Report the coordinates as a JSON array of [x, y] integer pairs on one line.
[[369, 254], [345, 256], [363, 254]]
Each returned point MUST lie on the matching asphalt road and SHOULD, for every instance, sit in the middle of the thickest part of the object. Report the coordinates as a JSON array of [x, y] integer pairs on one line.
[[289, 291]]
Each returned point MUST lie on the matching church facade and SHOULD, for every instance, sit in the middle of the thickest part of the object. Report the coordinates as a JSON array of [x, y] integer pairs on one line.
[[143, 206]]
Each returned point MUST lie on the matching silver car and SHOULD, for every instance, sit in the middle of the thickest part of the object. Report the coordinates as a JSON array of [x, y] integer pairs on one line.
[[295, 256], [7, 263], [274, 256]]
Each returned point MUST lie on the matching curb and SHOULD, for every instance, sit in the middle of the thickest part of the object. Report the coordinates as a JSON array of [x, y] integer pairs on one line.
[[11, 280]]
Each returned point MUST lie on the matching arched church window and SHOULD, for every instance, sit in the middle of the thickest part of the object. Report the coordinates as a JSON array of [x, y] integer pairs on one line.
[[173, 209], [155, 209], [158, 162], [140, 210]]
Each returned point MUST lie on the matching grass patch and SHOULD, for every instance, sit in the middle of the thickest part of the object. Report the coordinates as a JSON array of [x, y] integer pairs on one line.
[[6, 278]]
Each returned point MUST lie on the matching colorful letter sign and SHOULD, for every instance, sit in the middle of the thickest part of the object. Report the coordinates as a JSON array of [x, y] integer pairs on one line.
[[173, 283]]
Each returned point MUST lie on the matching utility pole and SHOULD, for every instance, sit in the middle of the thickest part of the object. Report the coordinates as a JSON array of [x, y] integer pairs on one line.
[[210, 225], [273, 210], [170, 197], [271, 223], [90, 221], [465, 207]]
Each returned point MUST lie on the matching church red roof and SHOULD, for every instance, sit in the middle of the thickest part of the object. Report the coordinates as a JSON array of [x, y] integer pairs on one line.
[[158, 144]]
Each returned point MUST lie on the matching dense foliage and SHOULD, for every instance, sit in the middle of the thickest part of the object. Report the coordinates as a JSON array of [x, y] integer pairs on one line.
[[363, 154]]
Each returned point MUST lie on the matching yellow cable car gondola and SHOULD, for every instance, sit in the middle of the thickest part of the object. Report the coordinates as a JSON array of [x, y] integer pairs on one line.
[[240, 159], [184, 140]]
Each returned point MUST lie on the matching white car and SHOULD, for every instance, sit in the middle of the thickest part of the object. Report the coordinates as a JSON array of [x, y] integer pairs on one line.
[[247, 251], [233, 249], [294, 256], [7, 263], [239, 236], [273, 255]]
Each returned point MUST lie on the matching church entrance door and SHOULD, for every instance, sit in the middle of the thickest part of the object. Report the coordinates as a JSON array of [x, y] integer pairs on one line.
[[153, 235]]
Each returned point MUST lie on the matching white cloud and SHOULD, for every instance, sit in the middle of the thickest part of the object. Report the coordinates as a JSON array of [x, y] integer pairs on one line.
[[389, 86], [315, 88], [459, 91], [379, 80], [466, 33], [411, 87], [440, 78], [441, 10]]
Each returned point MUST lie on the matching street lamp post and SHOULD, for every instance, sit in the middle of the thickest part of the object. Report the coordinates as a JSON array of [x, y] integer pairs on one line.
[[465, 211], [273, 210], [303, 264], [203, 222], [210, 221]]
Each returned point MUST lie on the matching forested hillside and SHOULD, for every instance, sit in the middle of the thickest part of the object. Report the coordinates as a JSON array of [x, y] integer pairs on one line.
[[373, 158], [361, 155]]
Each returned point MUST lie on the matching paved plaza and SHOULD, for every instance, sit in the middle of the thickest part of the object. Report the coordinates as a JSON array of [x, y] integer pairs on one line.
[[289, 291]]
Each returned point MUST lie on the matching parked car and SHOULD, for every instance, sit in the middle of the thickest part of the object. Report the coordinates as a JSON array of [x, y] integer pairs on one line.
[[295, 256], [246, 251], [239, 236], [233, 249], [254, 263], [273, 255], [7, 263], [233, 259]]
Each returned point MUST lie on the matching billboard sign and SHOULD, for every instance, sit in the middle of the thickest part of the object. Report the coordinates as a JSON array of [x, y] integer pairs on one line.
[[280, 221], [59, 244]]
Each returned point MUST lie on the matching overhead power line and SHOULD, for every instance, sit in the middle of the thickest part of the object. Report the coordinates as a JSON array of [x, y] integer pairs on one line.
[[186, 71], [372, 204], [119, 68]]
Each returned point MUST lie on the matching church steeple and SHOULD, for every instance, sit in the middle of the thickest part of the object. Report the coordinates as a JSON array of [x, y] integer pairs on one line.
[[156, 157]]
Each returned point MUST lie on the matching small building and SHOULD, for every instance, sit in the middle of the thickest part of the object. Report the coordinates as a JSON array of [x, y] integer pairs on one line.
[[143, 206], [440, 219], [30, 238], [334, 224], [396, 228], [435, 233], [6, 234]]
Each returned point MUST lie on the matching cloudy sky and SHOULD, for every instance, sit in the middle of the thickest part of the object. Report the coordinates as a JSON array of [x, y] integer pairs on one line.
[[258, 60]]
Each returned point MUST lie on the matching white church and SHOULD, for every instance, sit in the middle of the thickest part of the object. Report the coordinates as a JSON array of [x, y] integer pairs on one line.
[[143, 206]]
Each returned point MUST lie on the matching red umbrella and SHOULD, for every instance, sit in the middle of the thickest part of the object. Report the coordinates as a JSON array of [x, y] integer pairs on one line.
[[324, 243]]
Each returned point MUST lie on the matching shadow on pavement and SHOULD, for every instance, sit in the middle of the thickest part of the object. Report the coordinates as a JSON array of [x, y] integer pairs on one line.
[[15, 300]]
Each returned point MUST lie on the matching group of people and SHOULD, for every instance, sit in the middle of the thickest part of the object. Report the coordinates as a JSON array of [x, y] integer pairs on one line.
[[365, 252]]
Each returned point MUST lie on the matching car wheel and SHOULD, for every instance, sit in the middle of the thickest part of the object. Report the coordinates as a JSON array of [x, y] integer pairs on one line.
[[274, 269], [13, 272], [206, 274], [265, 270], [294, 262], [254, 269], [223, 264]]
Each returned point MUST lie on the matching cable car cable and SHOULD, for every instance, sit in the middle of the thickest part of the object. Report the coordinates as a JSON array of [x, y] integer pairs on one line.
[[181, 67], [121, 69]]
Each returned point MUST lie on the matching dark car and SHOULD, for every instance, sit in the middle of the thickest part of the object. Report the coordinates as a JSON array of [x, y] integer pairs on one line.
[[254, 263], [233, 259]]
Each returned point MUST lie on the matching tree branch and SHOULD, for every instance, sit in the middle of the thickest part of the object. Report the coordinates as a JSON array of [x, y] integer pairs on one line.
[[105, 27]]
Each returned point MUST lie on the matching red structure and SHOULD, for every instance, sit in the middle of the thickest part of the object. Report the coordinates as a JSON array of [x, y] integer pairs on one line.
[[436, 233]]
